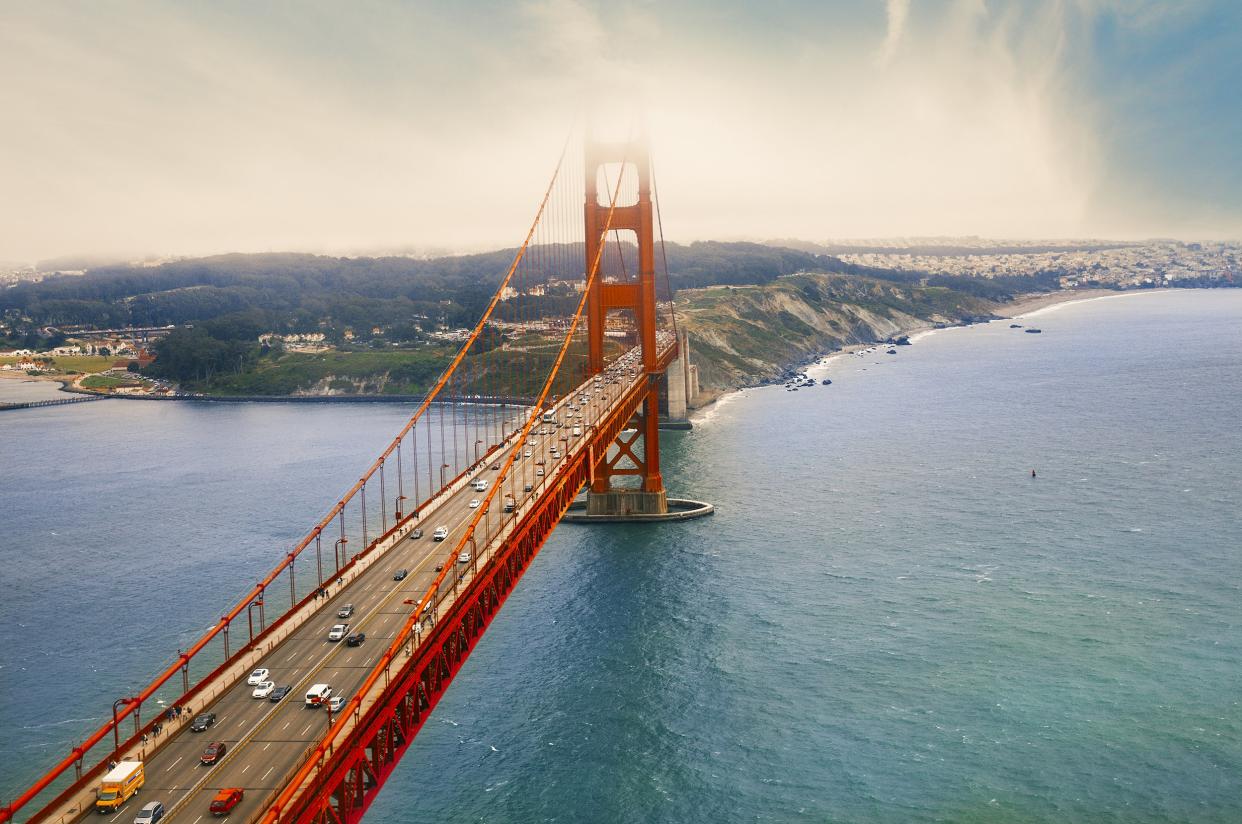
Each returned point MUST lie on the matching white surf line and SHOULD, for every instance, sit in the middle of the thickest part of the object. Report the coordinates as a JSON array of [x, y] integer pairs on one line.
[[1053, 307]]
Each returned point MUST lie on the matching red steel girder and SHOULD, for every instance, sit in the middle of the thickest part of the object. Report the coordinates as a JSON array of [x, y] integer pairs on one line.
[[353, 773]]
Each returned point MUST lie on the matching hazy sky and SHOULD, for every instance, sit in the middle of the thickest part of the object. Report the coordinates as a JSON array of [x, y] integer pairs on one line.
[[186, 128]]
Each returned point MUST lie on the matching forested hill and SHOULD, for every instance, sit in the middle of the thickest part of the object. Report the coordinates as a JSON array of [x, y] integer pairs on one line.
[[299, 292]]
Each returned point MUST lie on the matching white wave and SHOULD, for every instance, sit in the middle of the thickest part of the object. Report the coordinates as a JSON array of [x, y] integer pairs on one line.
[[713, 410], [60, 723]]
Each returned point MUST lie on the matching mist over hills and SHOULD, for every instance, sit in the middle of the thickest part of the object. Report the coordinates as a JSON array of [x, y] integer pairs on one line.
[[301, 292]]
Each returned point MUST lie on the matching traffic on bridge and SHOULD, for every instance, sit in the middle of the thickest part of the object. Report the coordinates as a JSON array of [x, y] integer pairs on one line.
[[308, 716]]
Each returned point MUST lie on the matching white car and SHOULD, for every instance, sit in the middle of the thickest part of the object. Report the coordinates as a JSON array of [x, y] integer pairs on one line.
[[463, 557], [338, 632], [257, 677], [263, 689], [318, 694], [539, 471], [474, 503], [440, 534], [527, 453], [336, 702]]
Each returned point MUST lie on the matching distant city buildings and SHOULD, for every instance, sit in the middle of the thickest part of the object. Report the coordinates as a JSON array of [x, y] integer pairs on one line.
[[1092, 263]]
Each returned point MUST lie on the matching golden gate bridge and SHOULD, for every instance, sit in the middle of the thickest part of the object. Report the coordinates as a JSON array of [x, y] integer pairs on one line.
[[420, 553]]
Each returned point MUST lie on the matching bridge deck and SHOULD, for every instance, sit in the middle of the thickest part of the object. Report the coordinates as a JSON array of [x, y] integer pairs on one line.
[[268, 741]]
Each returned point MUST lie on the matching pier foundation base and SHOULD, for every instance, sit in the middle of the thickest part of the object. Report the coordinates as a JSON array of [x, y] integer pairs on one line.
[[633, 505]]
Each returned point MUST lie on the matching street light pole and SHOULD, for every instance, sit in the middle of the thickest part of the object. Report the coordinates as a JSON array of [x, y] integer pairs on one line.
[[258, 602], [319, 557], [116, 738]]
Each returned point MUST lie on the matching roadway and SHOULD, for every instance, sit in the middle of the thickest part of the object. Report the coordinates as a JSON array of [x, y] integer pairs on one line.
[[267, 740]]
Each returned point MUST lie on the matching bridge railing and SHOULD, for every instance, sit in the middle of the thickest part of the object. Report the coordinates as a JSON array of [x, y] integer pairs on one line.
[[465, 439], [447, 582]]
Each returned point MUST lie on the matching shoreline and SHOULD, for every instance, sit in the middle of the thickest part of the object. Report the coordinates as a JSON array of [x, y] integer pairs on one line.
[[1029, 305], [1024, 306]]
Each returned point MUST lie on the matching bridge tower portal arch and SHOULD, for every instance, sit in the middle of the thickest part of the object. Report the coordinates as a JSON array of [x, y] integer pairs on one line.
[[636, 295]]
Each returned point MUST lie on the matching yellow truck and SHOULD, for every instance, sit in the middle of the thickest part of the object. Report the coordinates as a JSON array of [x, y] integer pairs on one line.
[[117, 785]]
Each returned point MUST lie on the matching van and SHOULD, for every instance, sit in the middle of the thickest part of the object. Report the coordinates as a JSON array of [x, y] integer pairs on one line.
[[318, 694], [118, 784], [547, 417], [577, 431], [479, 484]]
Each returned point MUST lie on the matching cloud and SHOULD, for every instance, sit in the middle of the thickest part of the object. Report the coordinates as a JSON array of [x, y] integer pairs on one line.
[[897, 11], [205, 128]]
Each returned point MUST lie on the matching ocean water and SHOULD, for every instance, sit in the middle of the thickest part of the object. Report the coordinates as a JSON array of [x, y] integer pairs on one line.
[[887, 620]]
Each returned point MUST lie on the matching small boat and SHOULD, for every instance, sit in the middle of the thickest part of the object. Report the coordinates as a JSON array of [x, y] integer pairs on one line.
[[825, 382], [1033, 331], [1015, 326]]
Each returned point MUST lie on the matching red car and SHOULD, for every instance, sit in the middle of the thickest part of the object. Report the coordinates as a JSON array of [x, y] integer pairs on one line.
[[214, 752], [226, 799]]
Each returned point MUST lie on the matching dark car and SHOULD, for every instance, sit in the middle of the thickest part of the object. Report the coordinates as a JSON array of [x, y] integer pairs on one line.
[[202, 722], [356, 640], [417, 533], [400, 575], [279, 693], [214, 752]]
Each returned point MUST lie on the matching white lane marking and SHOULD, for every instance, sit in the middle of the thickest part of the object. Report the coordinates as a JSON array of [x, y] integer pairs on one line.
[[200, 818], [175, 763], [245, 768], [242, 722], [291, 657], [268, 744], [266, 774], [194, 787], [118, 813]]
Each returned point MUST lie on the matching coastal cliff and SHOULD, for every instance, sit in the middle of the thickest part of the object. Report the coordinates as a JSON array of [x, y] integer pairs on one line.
[[748, 335]]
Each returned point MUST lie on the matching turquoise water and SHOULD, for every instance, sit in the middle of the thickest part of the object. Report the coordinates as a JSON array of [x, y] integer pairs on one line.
[[887, 620]]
